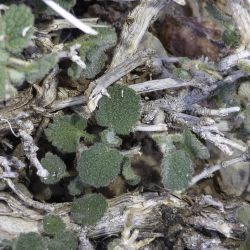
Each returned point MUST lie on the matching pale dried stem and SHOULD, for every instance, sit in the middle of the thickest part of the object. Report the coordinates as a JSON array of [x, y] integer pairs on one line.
[[134, 29], [156, 85], [209, 171], [197, 109], [151, 128], [29, 146]]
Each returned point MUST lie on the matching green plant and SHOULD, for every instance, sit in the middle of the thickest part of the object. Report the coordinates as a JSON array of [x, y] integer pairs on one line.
[[120, 111], [88, 209], [28, 241], [55, 166], [53, 224], [176, 170], [66, 131], [99, 165], [16, 30], [129, 174]]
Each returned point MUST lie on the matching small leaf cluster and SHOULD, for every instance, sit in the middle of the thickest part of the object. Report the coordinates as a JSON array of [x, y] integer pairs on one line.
[[89, 209], [16, 30], [59, 237], [93, 52], [120, 111], [99, 164]]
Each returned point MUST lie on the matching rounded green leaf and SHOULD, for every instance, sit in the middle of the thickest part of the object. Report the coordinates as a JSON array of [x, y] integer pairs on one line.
[[120, 111], [89, 209], [65, 132], [99, 165], [55, 166], [176, 170], [28, 241], [53, 224]]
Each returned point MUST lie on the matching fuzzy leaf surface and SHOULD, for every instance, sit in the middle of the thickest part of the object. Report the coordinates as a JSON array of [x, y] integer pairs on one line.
[[65, 132], [55, 166], [176, 170], [19, 22], [120, 111], [89, 209], [27, 241], [99, 165], [53, 224]]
